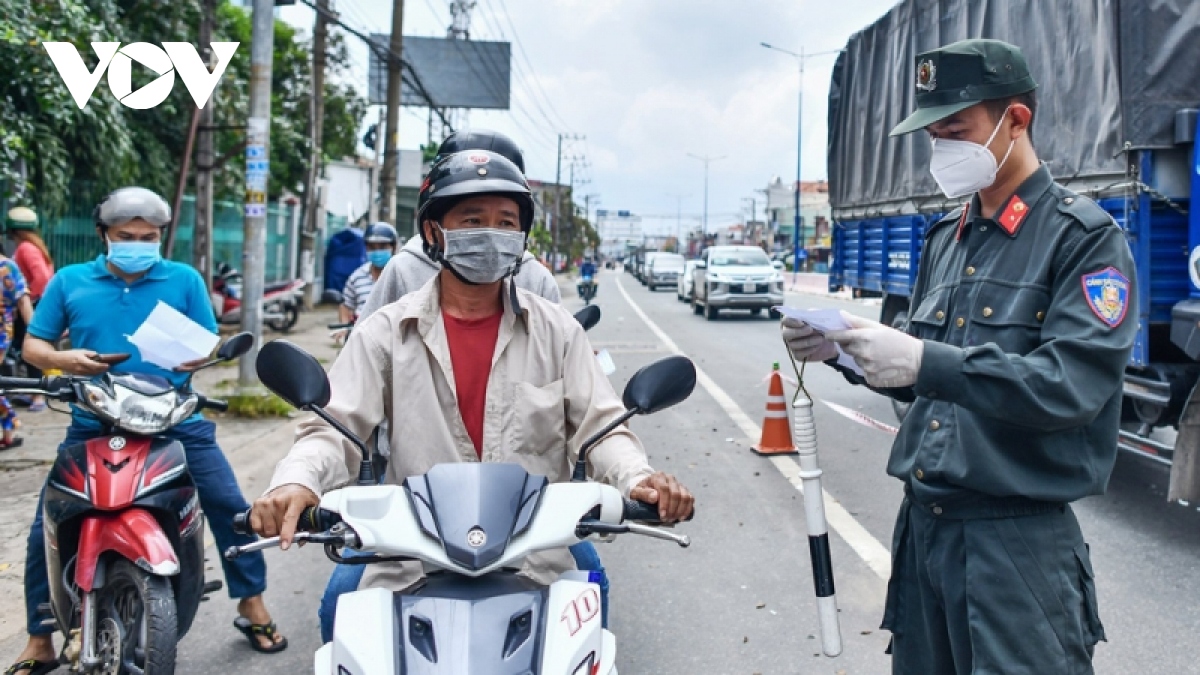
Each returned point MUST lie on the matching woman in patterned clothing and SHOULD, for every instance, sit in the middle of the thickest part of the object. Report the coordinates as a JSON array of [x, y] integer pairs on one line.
[[14, 298]]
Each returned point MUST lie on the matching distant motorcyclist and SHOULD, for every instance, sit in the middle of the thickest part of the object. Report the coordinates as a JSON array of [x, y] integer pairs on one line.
[[587, 280]]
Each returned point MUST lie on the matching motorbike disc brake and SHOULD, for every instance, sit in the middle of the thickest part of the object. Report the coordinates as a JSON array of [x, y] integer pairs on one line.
[[110, 641]]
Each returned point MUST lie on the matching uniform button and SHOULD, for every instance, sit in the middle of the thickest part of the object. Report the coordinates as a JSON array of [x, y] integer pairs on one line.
[[940, 315], [1069, 200], [983, 228], [987, 311], [937, 510], [919, 474], [960, 322], [1041, 316], [970, 271], [935, 425]]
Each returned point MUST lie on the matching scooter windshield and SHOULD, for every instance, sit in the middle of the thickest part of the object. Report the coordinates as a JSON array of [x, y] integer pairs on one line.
[[474, 510]]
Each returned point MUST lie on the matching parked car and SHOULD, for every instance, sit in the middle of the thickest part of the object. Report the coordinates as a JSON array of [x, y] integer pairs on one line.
[[735, 277], [664, 270], [647, 258], [683, 287]]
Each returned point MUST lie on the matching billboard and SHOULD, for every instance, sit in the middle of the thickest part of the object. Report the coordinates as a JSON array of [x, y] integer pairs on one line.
[[454, 73]]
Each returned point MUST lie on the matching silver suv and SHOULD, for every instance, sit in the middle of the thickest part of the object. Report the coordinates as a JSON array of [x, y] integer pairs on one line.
[[736, 277]]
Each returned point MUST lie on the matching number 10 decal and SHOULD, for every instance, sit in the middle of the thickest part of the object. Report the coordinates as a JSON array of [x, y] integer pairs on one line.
[[581, 610]]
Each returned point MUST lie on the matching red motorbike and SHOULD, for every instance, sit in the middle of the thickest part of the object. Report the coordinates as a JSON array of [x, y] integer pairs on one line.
[[124, 532], [280, 304]]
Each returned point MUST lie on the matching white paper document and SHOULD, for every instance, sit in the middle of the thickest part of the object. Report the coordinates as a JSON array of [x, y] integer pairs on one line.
[[168, 338], [824, 321]]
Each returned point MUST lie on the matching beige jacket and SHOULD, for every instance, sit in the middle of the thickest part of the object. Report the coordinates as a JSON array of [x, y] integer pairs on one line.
[[545, 396]]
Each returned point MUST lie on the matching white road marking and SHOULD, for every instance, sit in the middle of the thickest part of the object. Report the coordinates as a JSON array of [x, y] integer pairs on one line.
[[872, 552]]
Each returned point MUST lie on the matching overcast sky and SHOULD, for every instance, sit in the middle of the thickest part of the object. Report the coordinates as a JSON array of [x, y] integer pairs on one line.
[[647, 82]]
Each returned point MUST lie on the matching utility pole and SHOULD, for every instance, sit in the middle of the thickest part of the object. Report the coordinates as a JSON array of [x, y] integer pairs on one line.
[[373, 210], [555, 225], [258, 164], [202, 229], [707, 160], [391, 163], [678, 214], [316, 126]]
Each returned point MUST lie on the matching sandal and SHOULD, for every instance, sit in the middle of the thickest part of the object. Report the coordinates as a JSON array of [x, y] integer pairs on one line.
[[16, 442], [253, 631], [34, 667]]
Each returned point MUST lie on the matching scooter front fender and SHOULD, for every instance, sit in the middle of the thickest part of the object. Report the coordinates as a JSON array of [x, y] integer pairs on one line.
[[133, 534]]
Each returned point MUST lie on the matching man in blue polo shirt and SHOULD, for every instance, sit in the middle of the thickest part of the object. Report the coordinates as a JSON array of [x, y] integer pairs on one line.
[[101, 303]]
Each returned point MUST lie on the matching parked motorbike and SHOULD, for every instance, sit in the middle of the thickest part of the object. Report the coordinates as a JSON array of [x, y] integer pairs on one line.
[[280, 304], [124, 532], [474, 523]]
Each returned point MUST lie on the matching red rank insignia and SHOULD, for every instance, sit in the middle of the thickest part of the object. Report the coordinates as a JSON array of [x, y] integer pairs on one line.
[[1013, 215]]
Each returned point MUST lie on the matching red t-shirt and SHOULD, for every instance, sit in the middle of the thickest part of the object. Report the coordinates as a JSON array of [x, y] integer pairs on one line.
[[472, 343]]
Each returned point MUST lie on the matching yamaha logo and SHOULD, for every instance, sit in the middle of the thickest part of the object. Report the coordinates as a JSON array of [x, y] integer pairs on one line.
[[116, 443], [476, 537]]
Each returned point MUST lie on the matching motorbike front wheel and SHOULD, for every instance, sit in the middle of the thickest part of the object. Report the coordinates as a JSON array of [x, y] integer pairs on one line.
[[137, 627]]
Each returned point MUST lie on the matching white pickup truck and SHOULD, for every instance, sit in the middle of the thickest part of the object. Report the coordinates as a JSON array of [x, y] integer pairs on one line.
[[736, 277]]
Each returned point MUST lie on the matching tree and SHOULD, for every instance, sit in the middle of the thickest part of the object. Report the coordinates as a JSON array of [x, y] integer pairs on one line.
[[106, 145]]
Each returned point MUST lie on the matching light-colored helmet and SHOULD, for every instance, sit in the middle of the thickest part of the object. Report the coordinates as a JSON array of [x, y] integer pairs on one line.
[[130, 203]]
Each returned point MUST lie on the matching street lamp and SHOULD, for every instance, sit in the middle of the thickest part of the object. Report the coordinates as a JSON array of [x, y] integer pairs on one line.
[[678, 215], [706, 159], [798, 239]]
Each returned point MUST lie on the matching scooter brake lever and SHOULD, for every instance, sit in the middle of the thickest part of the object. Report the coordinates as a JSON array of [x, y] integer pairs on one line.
[[234, 552], [683, 540]]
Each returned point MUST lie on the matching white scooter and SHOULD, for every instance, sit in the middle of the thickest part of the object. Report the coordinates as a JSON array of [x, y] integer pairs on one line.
[[472, 525]]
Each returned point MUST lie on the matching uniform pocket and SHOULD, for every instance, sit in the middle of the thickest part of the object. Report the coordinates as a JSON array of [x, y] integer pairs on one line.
[[539, 418], [929, 318], [1008, 317], [1093, 628], [893, 619]]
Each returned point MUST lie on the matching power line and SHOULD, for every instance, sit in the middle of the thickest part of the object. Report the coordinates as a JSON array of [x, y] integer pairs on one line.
[[516, 38]]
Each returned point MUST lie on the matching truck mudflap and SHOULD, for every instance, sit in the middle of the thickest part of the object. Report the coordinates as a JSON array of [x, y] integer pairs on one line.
[[1185, 465]]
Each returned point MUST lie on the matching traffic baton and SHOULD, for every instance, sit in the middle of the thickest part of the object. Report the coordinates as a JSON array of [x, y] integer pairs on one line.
[[805, 439]]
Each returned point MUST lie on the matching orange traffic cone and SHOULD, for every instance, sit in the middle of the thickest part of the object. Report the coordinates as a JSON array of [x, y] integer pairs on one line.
[[776, 434]]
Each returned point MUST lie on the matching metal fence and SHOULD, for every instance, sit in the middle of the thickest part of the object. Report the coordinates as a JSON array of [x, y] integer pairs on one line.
[[71, 235]]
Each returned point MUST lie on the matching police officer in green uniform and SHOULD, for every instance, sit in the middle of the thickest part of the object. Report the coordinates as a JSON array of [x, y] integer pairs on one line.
[[1022, 320]]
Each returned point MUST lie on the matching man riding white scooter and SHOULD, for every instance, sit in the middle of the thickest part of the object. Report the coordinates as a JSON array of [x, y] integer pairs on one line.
[[468, 368]]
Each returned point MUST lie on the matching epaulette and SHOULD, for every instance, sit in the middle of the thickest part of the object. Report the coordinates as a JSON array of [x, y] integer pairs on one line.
[[1083, 210]]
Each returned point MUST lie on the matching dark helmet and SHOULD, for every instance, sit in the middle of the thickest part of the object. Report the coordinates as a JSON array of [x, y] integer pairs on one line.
[[381, 233], [129, 203], [481, 139], [472, 173]]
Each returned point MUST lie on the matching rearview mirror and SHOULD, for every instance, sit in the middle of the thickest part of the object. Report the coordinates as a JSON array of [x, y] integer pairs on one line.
[[588, 316], [660, 385], [777, 264], [236, 346], [293, 374]]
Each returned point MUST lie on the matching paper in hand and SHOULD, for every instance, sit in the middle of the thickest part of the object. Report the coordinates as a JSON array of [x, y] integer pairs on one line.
[[824, 321], [168, 338]]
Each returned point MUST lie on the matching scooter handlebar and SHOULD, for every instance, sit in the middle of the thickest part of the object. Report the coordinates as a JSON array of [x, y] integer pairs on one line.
[[645, 513], [313, 519]]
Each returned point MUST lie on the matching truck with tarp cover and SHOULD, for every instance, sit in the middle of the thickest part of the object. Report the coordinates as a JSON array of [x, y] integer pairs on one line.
[[1118, 93]]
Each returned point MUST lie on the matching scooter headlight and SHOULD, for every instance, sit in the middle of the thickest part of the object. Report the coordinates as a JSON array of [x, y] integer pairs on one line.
[[99, 401]]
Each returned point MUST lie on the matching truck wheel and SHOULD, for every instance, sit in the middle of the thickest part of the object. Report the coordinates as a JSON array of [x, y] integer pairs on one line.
[[696, 308], [757, 311], [711, 312]]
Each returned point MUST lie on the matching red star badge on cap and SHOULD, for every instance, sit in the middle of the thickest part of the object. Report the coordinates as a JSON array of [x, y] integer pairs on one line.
[[1013, 215]]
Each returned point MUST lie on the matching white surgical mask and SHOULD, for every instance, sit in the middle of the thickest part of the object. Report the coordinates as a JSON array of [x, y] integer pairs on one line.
[[962, 168], [482, 255]]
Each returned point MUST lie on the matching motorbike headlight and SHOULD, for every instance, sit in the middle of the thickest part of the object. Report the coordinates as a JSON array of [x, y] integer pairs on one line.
[[148, 415], [101, 402]]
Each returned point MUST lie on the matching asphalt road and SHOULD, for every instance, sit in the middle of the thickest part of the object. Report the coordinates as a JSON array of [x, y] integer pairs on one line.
[[740, 600]]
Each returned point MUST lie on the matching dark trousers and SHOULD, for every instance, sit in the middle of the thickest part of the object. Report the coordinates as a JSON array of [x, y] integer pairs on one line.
[[991, 595], [220, 498], [18, 340]]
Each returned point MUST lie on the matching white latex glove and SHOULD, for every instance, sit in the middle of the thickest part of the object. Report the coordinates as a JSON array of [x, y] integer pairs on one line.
[[889, 358], [805, 342]]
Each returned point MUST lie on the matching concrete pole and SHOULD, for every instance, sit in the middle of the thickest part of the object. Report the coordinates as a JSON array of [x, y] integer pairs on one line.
[[202, 230], [316, 121], [258, 134], [391, 160]]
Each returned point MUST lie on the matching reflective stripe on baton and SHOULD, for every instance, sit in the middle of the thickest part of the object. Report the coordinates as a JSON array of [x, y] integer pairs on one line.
[[805, 438]]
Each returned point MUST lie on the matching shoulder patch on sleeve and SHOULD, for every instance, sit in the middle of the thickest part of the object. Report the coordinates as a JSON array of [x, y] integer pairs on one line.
[[1107, 294], [1083, 210]]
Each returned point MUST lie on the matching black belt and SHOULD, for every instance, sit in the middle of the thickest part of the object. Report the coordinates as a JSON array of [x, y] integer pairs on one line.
[[977, 506]]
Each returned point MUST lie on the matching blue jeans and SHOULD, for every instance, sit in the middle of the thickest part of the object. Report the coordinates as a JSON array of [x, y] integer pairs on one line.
[[220, 499], [345, 579]]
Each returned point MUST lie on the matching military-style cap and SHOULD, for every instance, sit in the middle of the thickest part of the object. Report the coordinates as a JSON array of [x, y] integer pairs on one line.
[[959, 75]]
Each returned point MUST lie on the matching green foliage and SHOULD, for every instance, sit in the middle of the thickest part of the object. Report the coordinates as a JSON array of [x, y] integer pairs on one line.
[[255, 406], [107, 145]]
